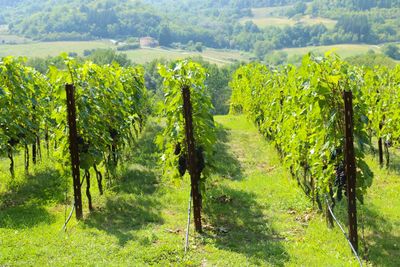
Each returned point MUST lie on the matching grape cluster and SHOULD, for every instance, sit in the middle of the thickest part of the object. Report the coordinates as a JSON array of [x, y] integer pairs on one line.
[[113, 133], [83, 146], [340, 180], [182, 162]]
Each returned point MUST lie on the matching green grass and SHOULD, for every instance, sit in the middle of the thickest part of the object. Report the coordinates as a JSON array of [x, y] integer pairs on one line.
[[262, 12], [14, 39], [344, 50], [44, 49], [269, 16], [139, 56], [219, 57], [329, 23], [6, 37], [382, 216], [254, 214], [284, 21], [270, 21]]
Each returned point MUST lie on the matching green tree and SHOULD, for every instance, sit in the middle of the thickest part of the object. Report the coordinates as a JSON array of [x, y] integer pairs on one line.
[[298, 9], [392, 51], [165, 36], [276, 58], [261, 48], [199, 47], [108, 56]]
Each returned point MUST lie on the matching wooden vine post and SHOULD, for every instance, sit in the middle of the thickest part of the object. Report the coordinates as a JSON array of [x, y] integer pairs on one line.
[[34, 152], [350, 168], [380, 146], [191, 158], [73, 149], [34, 149]]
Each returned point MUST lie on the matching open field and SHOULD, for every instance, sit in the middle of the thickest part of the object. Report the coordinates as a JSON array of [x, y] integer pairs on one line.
[[44, 49], [263, 12], [6, 38], [270, 21], [344, 50], [144, 55], [219, 57], [254, 214], [12, 39], [317, 20], [264, 17], [26, 48]]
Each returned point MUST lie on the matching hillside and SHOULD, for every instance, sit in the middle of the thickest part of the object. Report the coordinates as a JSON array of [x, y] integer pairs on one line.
[[256, 26]]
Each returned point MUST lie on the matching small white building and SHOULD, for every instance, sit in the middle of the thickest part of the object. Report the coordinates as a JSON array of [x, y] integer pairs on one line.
[[148, 42]]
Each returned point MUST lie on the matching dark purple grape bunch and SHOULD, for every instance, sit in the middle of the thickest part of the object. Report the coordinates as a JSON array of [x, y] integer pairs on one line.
[[182, 161]]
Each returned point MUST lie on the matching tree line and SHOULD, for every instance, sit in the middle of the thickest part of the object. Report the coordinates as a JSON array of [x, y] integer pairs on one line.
[[215, 24]]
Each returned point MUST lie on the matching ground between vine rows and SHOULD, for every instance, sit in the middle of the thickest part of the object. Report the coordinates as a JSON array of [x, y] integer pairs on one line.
[[254, 213]]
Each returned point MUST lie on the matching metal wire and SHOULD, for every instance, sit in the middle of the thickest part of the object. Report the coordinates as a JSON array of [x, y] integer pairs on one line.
[[344, 232], [64, 228], [188, 223]]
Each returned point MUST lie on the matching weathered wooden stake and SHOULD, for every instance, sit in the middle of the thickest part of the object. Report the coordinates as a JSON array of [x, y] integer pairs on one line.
[[39, 148], [350, 169], [46, 138], [192, 158], [380, 147], [34, 149], [89, 196], [34, 152], [73, 148]]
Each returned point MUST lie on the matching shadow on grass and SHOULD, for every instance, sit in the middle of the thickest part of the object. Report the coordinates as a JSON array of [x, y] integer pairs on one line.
[[146, 152], [380, 237], [24, 216], [382, 242], [238, 224], [223, 163], [137, 182], [394, 158], [132, 205], [22, 205], [394, 163], [124, 214]]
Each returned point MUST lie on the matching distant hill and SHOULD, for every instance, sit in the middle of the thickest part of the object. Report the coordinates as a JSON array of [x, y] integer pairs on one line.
[[249, 25]]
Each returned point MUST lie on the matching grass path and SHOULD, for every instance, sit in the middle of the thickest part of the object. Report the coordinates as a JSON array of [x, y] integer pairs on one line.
[[277, 225], [254, 214]]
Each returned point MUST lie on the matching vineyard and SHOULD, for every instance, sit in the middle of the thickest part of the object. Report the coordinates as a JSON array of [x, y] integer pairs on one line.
[[301, 172]]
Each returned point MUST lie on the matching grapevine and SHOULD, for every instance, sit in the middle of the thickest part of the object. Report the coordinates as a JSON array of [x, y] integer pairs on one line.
[[380, 87], [301, 110], [188, 138], [111, 104], [24, 98]]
